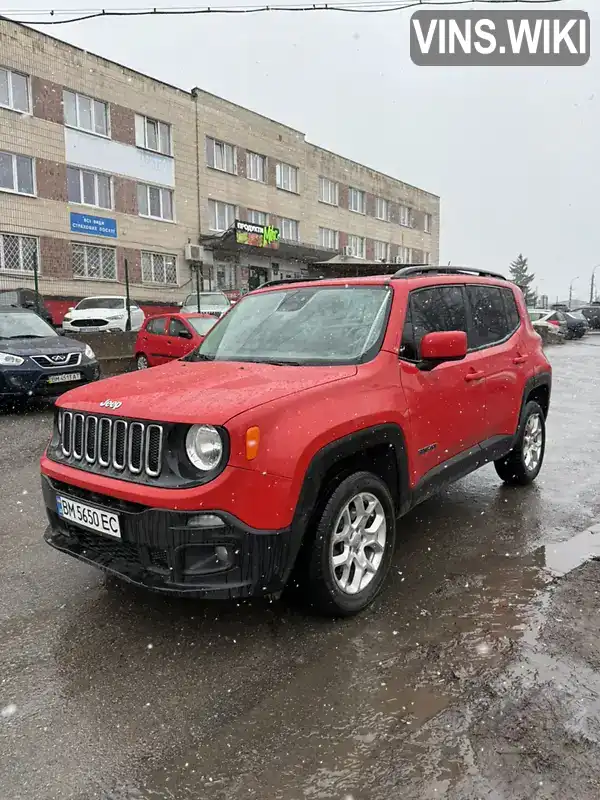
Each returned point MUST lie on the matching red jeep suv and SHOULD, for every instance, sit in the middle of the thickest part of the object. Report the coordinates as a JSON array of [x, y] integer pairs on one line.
[[286, 447]]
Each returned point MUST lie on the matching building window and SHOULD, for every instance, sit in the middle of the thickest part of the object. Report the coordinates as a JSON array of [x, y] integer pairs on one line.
[[151, 134], [289, 229], [222, 215], [287, 177], [220, 155], [14, 90], [427, 223], [85, 113], [382, 209], [382, 251], [18, 253], [93, 262], [426, 258], [16, 174], [159, 268], [357, 244], [356, 200], [256, 167], [224, 276], [329, 238], [88, 188], [257, 217], [405, 254], [155, 202], [405, 216], [328, 191]]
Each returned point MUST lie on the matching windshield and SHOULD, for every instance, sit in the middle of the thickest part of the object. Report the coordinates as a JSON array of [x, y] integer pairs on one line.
[[201, 325], [214, 300], [576, 315], [101, 302], [24, 326], [8, 298], [316, 325]]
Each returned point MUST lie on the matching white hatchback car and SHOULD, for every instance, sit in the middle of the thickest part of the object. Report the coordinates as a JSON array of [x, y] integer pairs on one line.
[[105, 313]]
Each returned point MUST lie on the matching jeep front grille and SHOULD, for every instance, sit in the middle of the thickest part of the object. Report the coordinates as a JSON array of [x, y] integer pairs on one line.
[[111, 443]]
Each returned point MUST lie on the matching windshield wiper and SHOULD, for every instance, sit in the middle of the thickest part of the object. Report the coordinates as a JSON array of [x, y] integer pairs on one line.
[[26, 336], [198, 357], [279, 362]]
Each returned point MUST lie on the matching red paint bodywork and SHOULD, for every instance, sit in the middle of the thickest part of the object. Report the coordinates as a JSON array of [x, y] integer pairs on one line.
[[163, 348], [299, 410]]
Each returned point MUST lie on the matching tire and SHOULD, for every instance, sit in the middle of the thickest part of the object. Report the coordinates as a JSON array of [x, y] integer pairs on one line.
[[520, 467], [322, 587], [141, 361]]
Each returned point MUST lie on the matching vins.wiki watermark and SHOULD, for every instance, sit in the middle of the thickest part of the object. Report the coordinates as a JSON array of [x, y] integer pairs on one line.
[[500, 38]]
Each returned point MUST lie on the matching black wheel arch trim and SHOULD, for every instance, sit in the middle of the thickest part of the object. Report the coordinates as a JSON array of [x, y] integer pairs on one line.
[[390, 434], [533, 383]]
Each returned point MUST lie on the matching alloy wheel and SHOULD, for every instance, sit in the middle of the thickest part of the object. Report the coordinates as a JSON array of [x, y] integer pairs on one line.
[[358, 543]]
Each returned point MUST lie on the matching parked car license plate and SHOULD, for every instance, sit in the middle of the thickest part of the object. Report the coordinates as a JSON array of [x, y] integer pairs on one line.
[[93, 518], [67, 377]]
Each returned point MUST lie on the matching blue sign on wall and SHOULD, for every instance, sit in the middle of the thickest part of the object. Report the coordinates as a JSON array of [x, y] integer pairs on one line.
[[93, 226]]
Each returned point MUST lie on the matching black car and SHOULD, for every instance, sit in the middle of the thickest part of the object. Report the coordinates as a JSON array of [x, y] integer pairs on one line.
[[592, 315], [577, 325], [35, 361], [26, 298]]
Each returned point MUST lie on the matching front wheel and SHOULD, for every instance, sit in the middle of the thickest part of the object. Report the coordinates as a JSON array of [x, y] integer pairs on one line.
[[142, 361], [353, 547], [522, 465]]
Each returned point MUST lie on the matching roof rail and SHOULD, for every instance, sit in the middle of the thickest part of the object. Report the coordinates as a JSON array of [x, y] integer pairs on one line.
[[426, 269], [283, 281]]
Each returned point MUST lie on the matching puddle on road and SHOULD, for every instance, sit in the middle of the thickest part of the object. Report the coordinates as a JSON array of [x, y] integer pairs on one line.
[[566, 556]]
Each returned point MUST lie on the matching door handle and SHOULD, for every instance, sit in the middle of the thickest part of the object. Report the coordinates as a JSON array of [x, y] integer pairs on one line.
[[474, 376], [520, 360]]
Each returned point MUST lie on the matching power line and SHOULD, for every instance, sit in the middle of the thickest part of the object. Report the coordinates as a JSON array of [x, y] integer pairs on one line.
[[349, 6]]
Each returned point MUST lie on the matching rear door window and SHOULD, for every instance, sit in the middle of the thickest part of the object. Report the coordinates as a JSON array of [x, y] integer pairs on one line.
[[489, 321], [157, 326], [438, 308]]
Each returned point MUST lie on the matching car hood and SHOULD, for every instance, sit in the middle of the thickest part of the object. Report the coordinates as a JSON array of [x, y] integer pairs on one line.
[[34, 347], [188, 392], [87, 313]]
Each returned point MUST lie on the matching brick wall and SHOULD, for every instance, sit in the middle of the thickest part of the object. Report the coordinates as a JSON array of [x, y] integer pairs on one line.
[[55, 258], [51, 178], [47, 100], [122, 124], [125, 195]]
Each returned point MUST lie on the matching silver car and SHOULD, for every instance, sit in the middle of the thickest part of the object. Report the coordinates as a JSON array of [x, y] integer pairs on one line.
[[215, 303]]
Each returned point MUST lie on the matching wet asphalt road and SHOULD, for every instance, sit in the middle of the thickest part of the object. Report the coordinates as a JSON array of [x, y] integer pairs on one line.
[[120, 694]]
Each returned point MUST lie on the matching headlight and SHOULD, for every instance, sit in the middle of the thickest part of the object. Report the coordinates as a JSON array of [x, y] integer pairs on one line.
[[8, 360], [204, 447], [89, 353]]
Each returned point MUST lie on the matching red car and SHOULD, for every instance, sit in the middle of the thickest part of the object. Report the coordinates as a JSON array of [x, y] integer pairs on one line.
[[284, 449], [167, 337]]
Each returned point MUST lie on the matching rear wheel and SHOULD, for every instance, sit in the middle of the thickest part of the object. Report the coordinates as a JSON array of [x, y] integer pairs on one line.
[[524, 462], [353, 547], [142, 361]]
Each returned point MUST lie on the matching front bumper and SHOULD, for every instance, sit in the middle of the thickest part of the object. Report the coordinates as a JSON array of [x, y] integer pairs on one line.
[[161, 551], [30, 381]]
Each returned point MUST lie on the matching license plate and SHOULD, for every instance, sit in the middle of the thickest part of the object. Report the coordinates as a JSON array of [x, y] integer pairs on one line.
[[67, 377], [95, 519]]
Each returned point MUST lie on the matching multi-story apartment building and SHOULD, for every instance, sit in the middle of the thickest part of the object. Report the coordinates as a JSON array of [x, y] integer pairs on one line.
[[104, 170]]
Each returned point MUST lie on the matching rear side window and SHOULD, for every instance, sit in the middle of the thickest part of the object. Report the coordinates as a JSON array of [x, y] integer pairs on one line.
[[158, 325], [440, 308], [514, 320], [489, 320]]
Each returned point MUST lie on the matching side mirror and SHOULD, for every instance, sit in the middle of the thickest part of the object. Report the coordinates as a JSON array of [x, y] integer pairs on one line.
[[442, 346], [185, 335]]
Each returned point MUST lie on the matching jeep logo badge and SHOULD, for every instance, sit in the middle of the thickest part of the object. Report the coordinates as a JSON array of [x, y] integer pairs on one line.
[[114, 404]]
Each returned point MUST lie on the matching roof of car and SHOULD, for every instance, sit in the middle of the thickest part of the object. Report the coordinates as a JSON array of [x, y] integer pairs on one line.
[[15, 310]]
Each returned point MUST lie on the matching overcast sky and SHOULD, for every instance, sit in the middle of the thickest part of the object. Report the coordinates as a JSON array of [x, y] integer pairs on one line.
[[514, 153]]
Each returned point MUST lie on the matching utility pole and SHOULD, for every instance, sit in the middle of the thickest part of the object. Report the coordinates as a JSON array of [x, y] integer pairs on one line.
[[571, 291], [593, 283]]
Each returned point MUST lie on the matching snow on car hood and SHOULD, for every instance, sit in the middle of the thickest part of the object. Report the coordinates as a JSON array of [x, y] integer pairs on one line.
[[205, 391]]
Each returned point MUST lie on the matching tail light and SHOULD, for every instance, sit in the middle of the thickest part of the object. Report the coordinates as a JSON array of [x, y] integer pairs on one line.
[[554, 322]]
